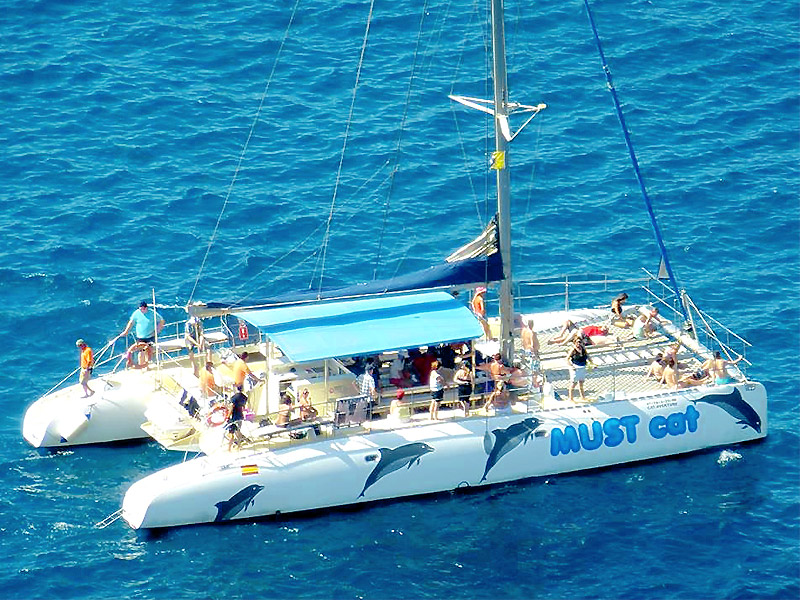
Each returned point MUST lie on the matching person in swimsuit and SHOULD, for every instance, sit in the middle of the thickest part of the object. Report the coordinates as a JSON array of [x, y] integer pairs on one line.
[[478, 306], [499, 399], [718, 368]]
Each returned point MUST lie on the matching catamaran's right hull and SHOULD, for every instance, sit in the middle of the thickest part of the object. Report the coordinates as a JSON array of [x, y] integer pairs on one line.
[[443, 456]]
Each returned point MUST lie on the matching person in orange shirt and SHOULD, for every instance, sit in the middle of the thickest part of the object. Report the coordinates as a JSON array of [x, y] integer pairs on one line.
[[241, 371], [87, 364], [207, 384], [478, 306]]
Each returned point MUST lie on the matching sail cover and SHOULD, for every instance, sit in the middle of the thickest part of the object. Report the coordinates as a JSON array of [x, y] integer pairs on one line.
[[337, 329], [476, 263]]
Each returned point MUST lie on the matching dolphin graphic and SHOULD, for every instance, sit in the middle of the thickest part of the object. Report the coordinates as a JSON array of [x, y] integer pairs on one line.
[[505, 440], [227, 509], [394, 459], [735, 406]]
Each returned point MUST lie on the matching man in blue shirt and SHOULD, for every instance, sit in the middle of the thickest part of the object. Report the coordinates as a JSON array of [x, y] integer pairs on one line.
[[145, 323]]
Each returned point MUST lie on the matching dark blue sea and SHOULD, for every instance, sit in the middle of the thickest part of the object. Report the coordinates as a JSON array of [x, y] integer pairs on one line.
[[123, 127]]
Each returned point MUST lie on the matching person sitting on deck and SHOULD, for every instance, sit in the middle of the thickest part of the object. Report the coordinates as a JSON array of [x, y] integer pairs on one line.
[[656, 368], [567, 332], [645, 325], [400, 409], [617, 318], [285, 411], [398, 372], [673, 379], [717, 368], [499, 400]]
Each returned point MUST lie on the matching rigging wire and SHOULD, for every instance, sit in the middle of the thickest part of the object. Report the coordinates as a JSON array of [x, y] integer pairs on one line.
[[243, 152], [634, 161], [326, 237], [397, 154]]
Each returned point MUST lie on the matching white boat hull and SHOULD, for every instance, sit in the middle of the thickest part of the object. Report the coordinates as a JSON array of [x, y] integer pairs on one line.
[[445, 455], [114, 413]]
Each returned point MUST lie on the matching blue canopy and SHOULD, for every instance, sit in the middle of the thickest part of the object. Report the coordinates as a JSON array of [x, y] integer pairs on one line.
[[365, 326]]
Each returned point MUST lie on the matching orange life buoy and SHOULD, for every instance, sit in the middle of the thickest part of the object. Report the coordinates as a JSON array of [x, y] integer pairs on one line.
[[243, 333], [138, 347], [213, 419]]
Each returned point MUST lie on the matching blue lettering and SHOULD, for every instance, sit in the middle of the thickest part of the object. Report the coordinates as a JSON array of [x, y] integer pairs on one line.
[[564, 441], [587, 442], [676, 424], [629, 422], [691, 418], [614, 435], [658, 427]]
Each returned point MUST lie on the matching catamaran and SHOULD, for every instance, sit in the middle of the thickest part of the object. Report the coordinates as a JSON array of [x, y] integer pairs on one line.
[[356, 446]]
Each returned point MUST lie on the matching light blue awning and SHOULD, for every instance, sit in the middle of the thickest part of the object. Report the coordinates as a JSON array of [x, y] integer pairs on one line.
[[335, 329]]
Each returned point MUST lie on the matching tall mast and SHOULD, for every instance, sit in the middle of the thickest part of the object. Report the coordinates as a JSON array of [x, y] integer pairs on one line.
[[500, 165], [500, 108]]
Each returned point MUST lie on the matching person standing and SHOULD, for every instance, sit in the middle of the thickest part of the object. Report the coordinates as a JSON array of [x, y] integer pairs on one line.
[[208, 386], [87, 365], [436, 384], [145, 326], [478, 306], [530, 342], [241, 371], [464, 380], [577, 357], [193, 338]]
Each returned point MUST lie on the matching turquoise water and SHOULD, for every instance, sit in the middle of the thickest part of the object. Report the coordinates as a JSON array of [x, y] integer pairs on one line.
[[123, 125]]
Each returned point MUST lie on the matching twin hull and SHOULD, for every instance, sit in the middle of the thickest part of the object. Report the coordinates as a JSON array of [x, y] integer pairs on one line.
[[115, 412], [442, 456]]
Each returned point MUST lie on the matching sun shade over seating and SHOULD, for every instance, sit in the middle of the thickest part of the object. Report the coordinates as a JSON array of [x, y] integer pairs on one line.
[[336, 329]]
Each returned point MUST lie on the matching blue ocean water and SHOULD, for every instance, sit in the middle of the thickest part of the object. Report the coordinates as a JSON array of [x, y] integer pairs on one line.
[[122, 128]]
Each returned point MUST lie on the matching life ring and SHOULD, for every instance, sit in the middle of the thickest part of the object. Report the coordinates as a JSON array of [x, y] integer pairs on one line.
[[138, 347], [213, 419]]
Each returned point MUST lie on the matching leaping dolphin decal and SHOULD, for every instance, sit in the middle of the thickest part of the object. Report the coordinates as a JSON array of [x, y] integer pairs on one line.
[[505, 440], [394, 459], [735, 406], [227, 509]]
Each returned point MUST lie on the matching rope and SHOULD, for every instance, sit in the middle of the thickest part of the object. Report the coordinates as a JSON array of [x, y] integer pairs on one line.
[[344, 147], [242, 153], [629, 143]]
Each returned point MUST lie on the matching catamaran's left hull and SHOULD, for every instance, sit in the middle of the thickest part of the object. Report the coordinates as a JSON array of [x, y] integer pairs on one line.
[[444, 456], [114, 413]]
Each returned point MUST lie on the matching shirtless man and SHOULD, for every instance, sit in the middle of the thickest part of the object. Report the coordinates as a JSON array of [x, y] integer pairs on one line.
[[530, 341], [717, 368]]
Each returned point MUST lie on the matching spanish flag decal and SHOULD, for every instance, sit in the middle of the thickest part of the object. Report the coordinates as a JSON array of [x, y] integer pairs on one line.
[[249, 470]]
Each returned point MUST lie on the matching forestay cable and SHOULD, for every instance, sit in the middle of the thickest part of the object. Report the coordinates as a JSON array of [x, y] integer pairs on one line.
[[629, 143]]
